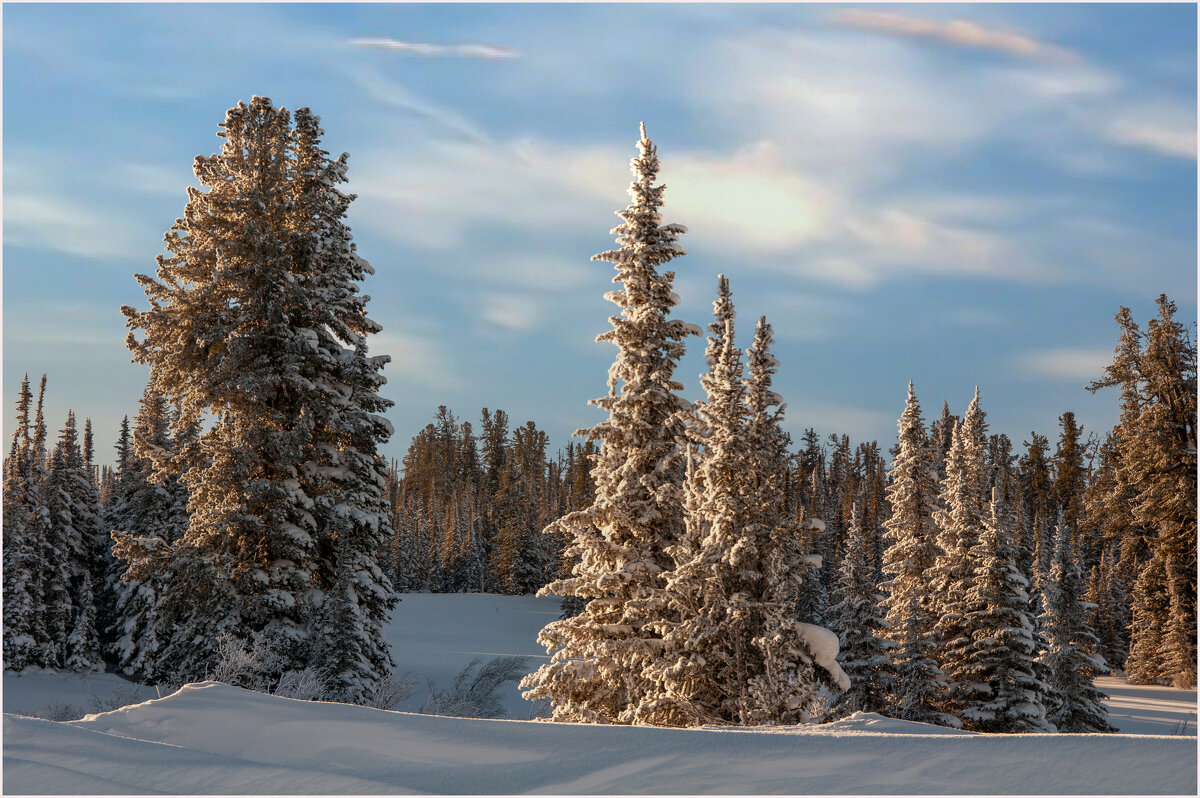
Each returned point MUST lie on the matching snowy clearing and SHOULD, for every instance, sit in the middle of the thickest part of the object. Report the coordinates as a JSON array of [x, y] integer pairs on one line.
[[1142, 709], [211, 738]]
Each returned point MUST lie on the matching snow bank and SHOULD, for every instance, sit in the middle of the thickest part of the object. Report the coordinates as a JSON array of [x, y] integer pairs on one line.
[[212, 738], [38, 692]]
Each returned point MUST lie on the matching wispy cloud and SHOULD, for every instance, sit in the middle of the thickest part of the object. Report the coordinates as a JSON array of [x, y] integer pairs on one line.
[[957, 32], [415, 360], [510, 312], [486, 52], [398, 96], [1174, 140], [58, 224], [1066, 363]]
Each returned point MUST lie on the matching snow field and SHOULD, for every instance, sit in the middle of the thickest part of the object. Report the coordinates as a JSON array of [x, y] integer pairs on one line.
[[212, 738]]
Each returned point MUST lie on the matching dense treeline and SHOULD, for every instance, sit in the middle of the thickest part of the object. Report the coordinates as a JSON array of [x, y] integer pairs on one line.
[[710, 567], [468, 511]]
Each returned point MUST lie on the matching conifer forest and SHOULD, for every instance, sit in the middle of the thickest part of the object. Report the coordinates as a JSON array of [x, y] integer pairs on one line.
[[599, 398], [711, 568]]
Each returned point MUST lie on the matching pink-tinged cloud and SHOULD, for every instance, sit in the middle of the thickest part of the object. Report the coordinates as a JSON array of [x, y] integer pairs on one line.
[[486, 52], [958, 32]]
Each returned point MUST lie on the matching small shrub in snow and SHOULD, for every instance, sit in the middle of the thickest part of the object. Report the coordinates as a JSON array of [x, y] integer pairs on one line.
[[122, 696], [305, 685], [821, 710], [61, 711], [238, 663], [394, 689], [475, 692], [540, 709]]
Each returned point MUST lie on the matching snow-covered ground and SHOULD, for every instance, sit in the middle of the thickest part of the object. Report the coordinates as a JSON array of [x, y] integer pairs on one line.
[[1138, 709], [436, 635], [211, 738]]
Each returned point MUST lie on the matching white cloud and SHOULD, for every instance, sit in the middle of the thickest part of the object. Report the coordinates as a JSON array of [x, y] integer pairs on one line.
[[510, 312], [752, 197], [482, 51], [750, 204], [1166, 139], [841, 270], [398, 96], [958, 32], [157, 179], [54, 222], [1066, 363], [415, 360]]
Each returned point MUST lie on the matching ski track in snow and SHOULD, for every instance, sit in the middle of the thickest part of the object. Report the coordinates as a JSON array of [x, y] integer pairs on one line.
[[212, 738]]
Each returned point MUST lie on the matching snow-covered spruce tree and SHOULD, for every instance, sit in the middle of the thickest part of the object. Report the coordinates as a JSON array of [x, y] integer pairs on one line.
[[707, 657], [83, 644], [1155, 480], [998, 686], [146, 497], [1150, 613], [1037, 499], [907, 564], [865, 653], [598, 657], [255, 319], [68, 491], [58, 554], [736, 654], [97, 544], [353, 513], [1071, 658], [798, 655], [22, 594], [960, 522], [1179, 645], [114, 516], [941, 436]]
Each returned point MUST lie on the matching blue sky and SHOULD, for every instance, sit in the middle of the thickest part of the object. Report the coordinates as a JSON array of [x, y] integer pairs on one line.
[[952, 194]]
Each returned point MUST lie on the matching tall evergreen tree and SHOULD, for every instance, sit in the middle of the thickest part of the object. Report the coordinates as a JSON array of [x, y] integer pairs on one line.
[[960, 523], [83, 644], [57, 607], [1150, 616], [22, 547], [255, 318], [1156, 478], [908, 563], [1071, 657], [865, 648], [621, 541], [1036, 511], [941, 435], [1070, 478], [736, 654], [998, 683], [798, 656], [145, 503]]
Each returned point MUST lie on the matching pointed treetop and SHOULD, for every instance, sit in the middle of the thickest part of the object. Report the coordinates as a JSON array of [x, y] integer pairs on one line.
[[643, 130]]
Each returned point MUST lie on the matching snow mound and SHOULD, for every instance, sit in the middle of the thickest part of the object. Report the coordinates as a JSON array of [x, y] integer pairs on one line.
[[878, 724], [212, 738]]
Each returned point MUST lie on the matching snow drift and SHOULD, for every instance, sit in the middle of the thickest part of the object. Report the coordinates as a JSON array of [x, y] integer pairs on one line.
[[212, 738]]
